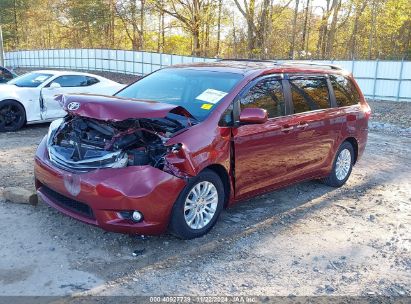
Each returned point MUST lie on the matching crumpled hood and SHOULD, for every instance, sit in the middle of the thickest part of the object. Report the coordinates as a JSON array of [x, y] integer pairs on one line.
[[113, 108]]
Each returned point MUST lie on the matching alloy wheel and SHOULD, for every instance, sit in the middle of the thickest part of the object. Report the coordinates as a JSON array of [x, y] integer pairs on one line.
[[10, 116], [343, 164], [200, 205]]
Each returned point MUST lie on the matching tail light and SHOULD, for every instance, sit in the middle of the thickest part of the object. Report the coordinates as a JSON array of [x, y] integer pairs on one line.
[[366, 109]]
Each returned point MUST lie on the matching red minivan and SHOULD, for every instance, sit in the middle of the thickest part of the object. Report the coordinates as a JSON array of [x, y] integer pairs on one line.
[[173, 149]]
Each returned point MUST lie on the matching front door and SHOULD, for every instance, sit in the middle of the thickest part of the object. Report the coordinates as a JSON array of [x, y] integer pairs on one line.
[[261, 150], [67, 84]]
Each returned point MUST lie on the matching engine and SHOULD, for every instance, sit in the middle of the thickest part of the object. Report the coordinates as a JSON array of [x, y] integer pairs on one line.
[[84, 144]]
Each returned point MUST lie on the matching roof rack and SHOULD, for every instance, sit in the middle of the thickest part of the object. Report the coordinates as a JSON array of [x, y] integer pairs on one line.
[[313, 64], [245, 60], [322, 65]]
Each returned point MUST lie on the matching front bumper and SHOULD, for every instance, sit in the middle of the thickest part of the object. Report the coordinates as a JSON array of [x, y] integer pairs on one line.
[[97, 197]]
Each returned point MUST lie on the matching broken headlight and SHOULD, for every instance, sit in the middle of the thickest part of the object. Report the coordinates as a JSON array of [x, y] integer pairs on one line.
[[54, 126]]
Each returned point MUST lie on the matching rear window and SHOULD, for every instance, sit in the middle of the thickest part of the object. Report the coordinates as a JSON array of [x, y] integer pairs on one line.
[[309, 94], [69, 81], [345, 92]]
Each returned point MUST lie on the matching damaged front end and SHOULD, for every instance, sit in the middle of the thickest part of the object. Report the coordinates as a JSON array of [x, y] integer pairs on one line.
[[85, 142]]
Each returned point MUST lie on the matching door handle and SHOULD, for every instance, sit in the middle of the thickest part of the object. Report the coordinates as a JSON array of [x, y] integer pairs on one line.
[[302, 125], [287, 128]]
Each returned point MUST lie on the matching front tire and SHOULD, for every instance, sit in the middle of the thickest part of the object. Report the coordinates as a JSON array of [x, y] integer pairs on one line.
[[12, 116], [198, 206], [342, 166]]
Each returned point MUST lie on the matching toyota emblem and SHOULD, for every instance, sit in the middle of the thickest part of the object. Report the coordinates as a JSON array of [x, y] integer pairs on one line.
[[72, 106]]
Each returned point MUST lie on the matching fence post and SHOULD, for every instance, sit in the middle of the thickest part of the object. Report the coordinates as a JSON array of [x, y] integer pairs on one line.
[[375, 80], [151, 62], [400, 80], [116, 61], [88, 59], [134, 62], [161, 60], [142, 53], [124, 62], [2, 56]]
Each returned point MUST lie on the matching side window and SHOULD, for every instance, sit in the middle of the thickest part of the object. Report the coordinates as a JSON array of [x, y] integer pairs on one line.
[[5, 75], [226, 119], [309, 94], [91, 80], [71, 81], [266, 94], [345, 92], [2, 75]]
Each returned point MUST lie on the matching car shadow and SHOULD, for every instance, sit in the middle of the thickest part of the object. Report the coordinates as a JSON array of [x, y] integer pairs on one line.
[[126, 254]]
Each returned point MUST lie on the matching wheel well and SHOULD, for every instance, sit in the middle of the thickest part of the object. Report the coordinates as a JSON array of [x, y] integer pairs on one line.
[[222, 173], [354, 144], [24, 109]]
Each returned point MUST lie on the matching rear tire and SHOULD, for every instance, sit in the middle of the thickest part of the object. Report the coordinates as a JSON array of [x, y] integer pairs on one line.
[[12, 116], [342, 166], [198, 206]]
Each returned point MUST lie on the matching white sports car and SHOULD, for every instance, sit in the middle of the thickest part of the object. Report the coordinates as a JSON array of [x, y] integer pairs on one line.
[[30, 98]]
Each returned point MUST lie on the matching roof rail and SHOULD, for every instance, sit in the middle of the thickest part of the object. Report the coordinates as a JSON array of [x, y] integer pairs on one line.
[[313, 64], [245, 60], [326, 65]]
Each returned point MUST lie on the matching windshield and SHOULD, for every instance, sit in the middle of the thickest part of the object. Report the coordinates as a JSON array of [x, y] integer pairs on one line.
[[198, 91], [30, 80]]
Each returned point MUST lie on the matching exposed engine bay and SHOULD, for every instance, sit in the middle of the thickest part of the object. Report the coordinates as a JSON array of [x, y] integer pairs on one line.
[[83, 144]]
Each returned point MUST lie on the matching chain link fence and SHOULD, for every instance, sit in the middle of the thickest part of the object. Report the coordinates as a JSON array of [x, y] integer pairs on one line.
[[385, 80]]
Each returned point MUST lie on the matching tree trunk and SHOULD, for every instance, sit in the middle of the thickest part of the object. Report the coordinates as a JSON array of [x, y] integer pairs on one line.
[[292, 47], [234, 38], [333, 28], [195, 28], [220, 5], [262, 26], [373, 17], [162, 31], [16, 25], [305, 26], [142, 24], [323, 32], [159, 32], [250, 28], [196, 42], [352, 43]]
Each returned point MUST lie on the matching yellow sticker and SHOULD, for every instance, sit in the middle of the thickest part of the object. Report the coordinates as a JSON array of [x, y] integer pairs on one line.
[[206, 106]]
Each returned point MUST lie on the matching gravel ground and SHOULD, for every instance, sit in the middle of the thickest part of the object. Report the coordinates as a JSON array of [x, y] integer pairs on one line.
[[307, 239], [390, 117]]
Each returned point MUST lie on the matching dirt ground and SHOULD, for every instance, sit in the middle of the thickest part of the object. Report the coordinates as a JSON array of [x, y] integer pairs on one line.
[[306, 239]]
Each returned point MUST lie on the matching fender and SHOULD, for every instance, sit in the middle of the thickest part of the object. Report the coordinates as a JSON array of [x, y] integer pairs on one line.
[[27, 97]]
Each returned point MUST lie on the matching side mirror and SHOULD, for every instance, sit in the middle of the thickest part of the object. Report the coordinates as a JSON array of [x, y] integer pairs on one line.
[[253, 116], [54, 85]]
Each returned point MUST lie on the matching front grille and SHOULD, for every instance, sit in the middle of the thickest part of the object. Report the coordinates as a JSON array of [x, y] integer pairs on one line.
[[68, 203]]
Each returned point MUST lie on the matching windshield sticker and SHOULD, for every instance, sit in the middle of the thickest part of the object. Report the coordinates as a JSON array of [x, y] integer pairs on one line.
[[211, 96], [206, 106], [40, 78]]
